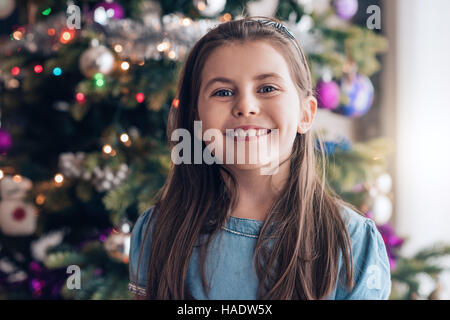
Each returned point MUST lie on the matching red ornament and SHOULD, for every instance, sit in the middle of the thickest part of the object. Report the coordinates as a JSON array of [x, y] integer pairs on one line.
[[140, 97], [19, 214]]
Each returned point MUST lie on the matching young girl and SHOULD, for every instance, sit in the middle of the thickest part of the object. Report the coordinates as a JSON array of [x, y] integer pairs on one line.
[[226, 231]]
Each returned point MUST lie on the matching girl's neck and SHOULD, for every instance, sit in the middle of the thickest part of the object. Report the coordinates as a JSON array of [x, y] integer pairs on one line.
[[257, 192]]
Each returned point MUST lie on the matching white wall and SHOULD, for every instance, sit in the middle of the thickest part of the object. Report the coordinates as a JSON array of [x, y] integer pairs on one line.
[[421, 58]]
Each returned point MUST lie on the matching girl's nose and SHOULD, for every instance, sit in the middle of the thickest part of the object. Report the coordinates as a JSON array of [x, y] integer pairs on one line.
[[246, 105]]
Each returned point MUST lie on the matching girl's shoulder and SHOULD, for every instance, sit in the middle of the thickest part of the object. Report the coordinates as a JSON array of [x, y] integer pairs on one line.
[[140, 242], [371, 265]]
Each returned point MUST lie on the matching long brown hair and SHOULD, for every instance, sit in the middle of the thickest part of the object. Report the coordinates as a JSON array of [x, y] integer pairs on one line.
[[304, 226]]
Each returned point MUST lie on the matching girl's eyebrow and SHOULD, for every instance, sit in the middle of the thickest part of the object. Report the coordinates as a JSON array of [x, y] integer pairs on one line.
[[257, 77]]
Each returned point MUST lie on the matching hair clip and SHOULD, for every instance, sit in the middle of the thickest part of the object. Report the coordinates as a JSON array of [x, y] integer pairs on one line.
[[277, 25]]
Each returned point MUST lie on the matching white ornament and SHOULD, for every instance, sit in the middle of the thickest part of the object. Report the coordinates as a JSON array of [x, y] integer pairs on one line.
[[95, 60], [384, 183], [6, 8], [381, 209], [210, 8], [40, 247], [265, 8], [17, 218]]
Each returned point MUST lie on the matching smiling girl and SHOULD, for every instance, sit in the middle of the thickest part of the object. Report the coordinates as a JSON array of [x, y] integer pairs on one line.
[[225, 231]]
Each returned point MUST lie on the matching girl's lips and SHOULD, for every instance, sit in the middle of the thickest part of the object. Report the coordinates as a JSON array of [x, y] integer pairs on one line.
[[248, 138]]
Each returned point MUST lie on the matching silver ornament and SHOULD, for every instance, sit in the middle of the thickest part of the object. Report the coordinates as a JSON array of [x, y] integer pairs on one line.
[[95, 60]]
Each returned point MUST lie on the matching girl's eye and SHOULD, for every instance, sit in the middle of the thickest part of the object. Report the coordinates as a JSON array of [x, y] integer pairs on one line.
[[269, 87], [224, 90]]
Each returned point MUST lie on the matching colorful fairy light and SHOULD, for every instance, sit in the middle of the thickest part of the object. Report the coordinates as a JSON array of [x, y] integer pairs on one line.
[[59, 178], [66, 36], [175, 102], [124, 137], [46, 12], [17, 35], [17, 178], [51, 32], [99, 79], [125, 66], [80, 97], [1, 174], [38, 68], [57, 71], [15, 71], [107, 149], [140, 97]]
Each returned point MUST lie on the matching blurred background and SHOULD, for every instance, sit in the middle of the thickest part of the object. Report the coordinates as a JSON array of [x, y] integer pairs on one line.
[[86, 88]]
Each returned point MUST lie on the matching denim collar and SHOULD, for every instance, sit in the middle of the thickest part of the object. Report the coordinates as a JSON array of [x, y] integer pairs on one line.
[[244, 226]]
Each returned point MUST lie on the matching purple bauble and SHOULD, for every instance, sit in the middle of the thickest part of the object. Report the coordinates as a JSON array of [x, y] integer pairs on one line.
[[328, 94], [346, 9], [358, 94], [5, 141]]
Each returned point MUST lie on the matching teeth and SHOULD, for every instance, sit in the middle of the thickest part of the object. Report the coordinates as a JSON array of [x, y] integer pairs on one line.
[[247, 133]]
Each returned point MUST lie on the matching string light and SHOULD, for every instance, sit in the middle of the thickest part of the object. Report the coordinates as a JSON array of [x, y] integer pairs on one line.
[[1, 174], [15, 71], [80, 97], [99, 79], [59, 178], [124, 138], [118, 48], [175, 102], [46, 12], [140, 97], [107, 149], [163, 46], [17, 35], [40, 199], [38, 68], [17, 178], [125, 66], [66, 36], [51, 32], [172, 55], [57, 71]]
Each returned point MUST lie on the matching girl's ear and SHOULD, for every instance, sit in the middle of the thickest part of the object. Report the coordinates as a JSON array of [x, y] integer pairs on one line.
[[307, 114]]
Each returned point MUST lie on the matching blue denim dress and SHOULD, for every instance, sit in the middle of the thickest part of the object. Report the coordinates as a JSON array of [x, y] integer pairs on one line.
[[229, 263]]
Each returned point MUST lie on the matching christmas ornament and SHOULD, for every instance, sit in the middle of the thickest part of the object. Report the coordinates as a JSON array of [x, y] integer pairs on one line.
[[381, 209], [319, 7], [210, 8], [107, 10], [345, 9], [17, 218], [5, 141], [97, 59], [6, 8], [328, 94], [105, 179], [117, 244], [72, 164], [357, 96], [151, 14], [384, 183], [40, 246], [265, 8]]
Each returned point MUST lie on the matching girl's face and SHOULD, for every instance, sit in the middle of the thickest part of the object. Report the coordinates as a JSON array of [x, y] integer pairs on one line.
[[255, 88]]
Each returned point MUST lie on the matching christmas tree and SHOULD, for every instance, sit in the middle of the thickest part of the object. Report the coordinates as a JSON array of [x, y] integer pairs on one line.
[[86, 88]]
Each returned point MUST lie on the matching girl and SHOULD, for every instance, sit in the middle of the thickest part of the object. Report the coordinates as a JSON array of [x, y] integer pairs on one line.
[[225, 231]]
